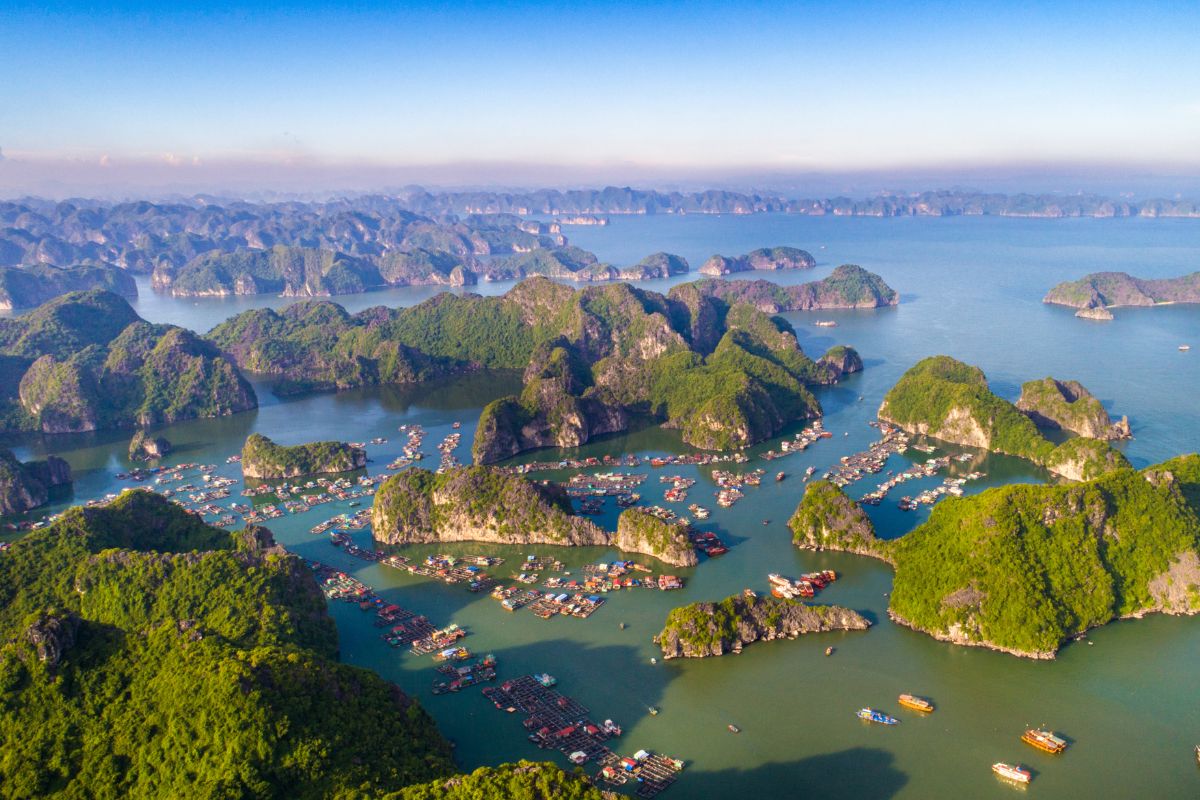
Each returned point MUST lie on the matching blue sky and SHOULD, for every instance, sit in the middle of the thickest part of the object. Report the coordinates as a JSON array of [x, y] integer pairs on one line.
[[660, 86]]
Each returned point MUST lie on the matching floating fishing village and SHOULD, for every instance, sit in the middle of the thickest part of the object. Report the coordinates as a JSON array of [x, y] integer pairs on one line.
[[542, 586]]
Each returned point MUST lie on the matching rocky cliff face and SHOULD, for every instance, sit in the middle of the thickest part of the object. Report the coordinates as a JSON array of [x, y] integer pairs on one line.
[[262, 458], [827, 519], [841, 360], [479, 504], [26, 486], [143, 447], [713, 629], [1068, 405], [638, 531]]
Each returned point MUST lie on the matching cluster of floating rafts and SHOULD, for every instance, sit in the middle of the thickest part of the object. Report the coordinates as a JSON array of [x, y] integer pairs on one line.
[[807, 585], [447, 448]]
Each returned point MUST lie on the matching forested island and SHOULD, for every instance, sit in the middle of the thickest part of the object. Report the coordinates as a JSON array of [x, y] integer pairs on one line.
[[949, 400], [699, 630], [262, 458], [217, 246], [85, 361], [1068, 405], [1023, 568], [725, 374], [28, 485], [848, 286], [1096, 293], [487, 504], [28, 287], [765, 258]]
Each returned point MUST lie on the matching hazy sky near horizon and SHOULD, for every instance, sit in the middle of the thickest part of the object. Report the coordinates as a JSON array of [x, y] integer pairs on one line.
[[658, 85]]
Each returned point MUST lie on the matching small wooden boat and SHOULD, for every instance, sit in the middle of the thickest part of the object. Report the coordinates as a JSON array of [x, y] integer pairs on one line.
[[916, 703], [1013, 772]]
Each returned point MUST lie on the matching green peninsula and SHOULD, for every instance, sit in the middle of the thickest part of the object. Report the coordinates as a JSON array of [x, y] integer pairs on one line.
[[27, 485], [146, 654], [85, 361], [1023, 568], [1094, 294], [949, 400], [262, 458], [700, 630], [848, 286]]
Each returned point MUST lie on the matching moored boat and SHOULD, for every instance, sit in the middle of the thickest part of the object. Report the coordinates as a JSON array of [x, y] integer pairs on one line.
[[1013, 772], [545, 679], [1046, 741], [871, 715], [916, 703]]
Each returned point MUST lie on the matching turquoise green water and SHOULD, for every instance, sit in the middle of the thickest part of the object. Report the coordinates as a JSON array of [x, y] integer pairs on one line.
[[971, 288]]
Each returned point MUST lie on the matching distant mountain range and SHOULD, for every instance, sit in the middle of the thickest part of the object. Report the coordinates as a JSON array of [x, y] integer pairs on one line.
[[208, 246]]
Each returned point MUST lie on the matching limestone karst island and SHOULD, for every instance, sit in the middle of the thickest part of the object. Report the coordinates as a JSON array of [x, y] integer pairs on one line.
[[666, 400]]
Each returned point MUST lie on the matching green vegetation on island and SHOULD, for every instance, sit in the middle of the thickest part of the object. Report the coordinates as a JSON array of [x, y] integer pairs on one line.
[[848, 286], [262, 458], [727, 375], [476, 503], [949, 400], [523, 780], [145, 654], [28, 485], [765, 258], [488, 504], [1068, 405], [27, 287], [827, 519], [1023, 568], [144, 447], [1094, 294], [86, 361], [699, 630], [639, 531]]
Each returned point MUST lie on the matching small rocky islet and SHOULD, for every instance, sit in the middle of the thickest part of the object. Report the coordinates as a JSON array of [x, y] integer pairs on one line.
[[264, 459], [1093, 295], [700, 630]]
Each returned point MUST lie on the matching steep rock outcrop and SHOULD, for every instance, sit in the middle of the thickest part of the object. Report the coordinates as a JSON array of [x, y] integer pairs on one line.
[[639, 531], [481, 504], [827, 519], [1068, 405], [144, 447], [24, 486]]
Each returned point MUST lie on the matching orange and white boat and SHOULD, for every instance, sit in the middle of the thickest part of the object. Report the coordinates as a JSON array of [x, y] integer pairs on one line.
[[1046, 741], [916, 703]]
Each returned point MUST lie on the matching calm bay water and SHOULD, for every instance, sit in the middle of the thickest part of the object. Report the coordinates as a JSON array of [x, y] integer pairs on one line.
[[971, 288]]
